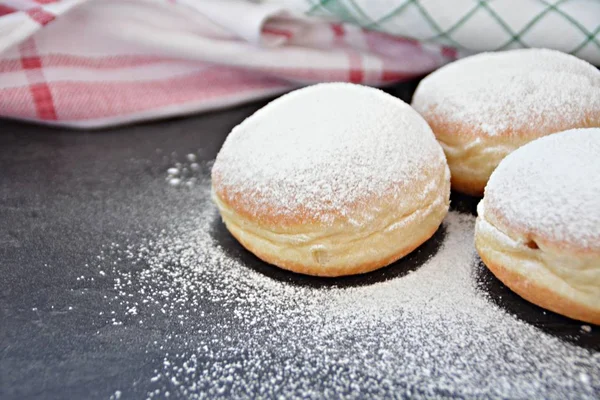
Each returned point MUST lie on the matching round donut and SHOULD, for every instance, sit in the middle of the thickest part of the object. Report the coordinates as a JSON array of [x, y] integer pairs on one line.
[[330, 180], [483, 107], [538, 225]]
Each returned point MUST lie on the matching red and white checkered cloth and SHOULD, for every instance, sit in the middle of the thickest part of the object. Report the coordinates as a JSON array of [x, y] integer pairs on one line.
[[89, 64]]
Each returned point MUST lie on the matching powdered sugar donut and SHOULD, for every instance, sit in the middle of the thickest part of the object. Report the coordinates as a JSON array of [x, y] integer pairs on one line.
[[483, 107], [538, 225], [333, 179]]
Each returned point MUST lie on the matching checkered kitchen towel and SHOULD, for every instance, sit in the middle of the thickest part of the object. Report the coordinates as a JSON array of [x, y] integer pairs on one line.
[[94, 63], [572, 26]]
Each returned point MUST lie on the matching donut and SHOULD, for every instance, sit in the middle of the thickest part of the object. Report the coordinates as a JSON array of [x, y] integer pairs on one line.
[[538, 224], [330, 180], [483, 107]]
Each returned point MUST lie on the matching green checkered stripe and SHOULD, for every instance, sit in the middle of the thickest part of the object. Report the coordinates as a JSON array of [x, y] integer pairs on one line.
[[511, 28]]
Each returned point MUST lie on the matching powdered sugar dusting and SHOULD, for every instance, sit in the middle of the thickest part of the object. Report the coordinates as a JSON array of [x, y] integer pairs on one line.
[[226, 330], [324, 148], [550, 188], [538, 91]]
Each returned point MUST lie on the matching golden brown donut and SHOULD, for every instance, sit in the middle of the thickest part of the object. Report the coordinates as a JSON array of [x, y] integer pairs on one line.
[[538, 225], [333, 179], [483, 107]]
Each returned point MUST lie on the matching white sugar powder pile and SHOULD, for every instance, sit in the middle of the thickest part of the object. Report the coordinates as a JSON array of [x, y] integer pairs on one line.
[[228, 330]]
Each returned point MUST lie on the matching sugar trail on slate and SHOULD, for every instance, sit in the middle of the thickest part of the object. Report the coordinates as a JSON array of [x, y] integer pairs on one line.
[[231, 331]]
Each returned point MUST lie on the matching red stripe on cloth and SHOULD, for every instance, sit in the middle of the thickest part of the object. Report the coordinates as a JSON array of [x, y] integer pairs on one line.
[[307, 75], [338, 30], [40, 15], [92, 100], [110, 62], [279, 32], [31, 62], [4, 10], [315, 75], [449, 52], [44, 104], [40, 91], [357, 74], [376, 35]]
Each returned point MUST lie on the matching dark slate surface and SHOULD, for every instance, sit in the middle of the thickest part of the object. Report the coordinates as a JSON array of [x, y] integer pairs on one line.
[[63, 194]]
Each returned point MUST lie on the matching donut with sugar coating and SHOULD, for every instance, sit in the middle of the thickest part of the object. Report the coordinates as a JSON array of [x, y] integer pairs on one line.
[[483, 107], [330, 180], [538, 225]]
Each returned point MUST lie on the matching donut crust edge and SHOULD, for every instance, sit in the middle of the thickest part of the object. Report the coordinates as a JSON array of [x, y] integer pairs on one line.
[[535, 289]]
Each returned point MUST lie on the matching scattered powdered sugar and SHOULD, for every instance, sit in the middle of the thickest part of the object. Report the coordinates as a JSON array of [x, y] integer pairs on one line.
[[558, 198], [229, 328], [536, 90], [324, 148], [183, 172], [116, 395]]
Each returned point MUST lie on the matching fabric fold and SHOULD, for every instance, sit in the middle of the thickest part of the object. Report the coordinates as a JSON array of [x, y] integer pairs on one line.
[[91, 64]]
